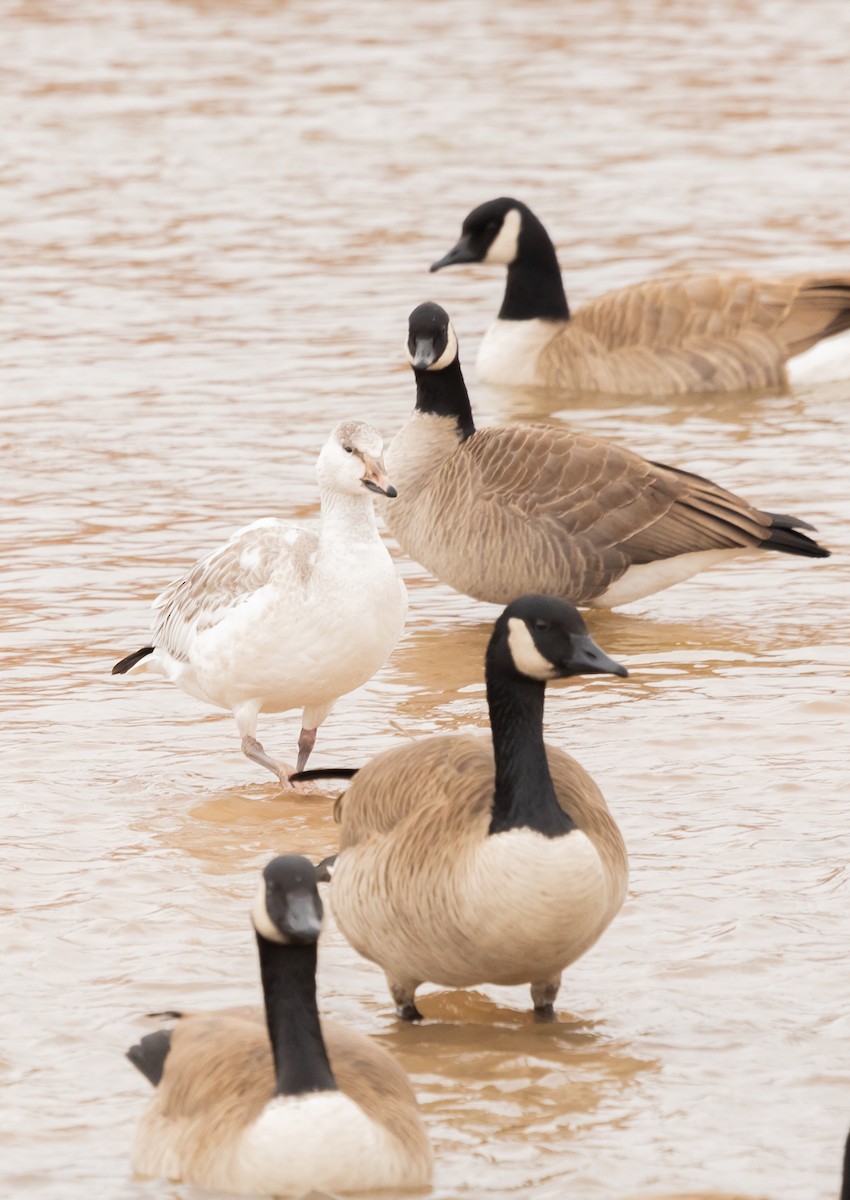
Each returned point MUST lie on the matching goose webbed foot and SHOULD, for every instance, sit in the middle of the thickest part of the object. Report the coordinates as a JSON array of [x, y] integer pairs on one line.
[[405, 1004], [408, 1012], [253, 749], [543, 996]]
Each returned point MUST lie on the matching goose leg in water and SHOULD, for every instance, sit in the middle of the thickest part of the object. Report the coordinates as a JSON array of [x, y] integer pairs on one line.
[[306, 742], [543, 996], [253, 749], [405, 1007]]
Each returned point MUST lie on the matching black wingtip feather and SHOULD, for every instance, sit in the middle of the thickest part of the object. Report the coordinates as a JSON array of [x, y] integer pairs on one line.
[[785, 536], [324, 773], [149, 1054], [127, 664]]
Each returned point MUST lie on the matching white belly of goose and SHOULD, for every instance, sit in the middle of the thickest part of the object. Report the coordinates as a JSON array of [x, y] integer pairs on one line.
[[284, 648], [519, 908], [825, 362], [642, 579]]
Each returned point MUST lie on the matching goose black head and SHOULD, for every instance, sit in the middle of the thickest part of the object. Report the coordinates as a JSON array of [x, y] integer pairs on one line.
[[543, 638], [489, 234], [431, 341], [287, 908]]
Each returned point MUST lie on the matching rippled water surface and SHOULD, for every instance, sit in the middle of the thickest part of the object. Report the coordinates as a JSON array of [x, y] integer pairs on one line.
[[214, 219]]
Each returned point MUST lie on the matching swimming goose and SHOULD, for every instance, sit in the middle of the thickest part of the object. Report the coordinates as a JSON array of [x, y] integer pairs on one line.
[[278, 1103], [720, 332], [464, 860], [508, 509], [281, 617]]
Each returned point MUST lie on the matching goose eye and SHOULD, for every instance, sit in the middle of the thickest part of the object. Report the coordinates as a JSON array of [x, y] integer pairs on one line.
[[541, 625], [348, 449]]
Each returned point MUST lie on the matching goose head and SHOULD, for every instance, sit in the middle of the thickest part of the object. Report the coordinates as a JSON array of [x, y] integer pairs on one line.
[[490, 234], [542, 638], [431, 340], [287, 908], [352, 459]]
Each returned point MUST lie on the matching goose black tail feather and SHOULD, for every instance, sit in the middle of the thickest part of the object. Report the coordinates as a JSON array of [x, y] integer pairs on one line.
[[785, 536], [149, 1054], [127, 664]]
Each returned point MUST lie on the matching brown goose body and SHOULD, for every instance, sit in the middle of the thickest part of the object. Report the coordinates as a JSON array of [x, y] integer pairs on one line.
[[219, 1075], [420, 889], [723, 331], [500, 511]]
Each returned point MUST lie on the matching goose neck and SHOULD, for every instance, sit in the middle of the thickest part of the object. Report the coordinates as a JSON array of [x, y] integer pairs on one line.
[[524, 795], [443, 393], [534, 288], [289, 986], [347, 517]]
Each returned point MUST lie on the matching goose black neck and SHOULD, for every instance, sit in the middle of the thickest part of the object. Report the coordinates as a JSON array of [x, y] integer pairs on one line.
[[444, 394], [289, 986], [524, 797], [534, 287], [845, 1175]]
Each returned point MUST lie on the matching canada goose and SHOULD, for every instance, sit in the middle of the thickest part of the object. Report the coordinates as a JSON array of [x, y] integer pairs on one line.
[[508, 509], [281, 617], [282, 1104], [721, 332], [465, 861]]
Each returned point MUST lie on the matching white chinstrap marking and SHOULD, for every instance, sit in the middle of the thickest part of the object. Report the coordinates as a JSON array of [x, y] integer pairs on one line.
[[506, 243], [260, 917], [527, 658], [449, 354]]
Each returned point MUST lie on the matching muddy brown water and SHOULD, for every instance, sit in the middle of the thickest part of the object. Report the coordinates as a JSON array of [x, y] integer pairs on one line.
[[214, 220]]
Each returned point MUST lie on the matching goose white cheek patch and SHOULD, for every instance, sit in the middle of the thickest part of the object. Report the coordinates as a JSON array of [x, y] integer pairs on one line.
[[504, 248], [261, 919], [527, 658], [449, 354]]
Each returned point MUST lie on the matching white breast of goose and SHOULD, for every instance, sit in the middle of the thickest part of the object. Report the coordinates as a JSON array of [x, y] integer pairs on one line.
[[517, 908], [327, 641], [510, 351], [534, 903], [321, 1140]]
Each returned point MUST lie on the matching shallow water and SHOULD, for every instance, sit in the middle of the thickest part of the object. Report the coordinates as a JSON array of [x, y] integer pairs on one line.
[[215, 218]]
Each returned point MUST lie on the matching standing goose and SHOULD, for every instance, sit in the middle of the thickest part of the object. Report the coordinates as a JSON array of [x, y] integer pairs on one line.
[[464, 861], [281, 617], [508, 509], [282, 1110], [723, 332]]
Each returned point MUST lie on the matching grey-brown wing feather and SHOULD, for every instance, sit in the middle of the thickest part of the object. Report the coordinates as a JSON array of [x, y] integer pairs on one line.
[[568, 513], [232, 573], [724, 332]]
